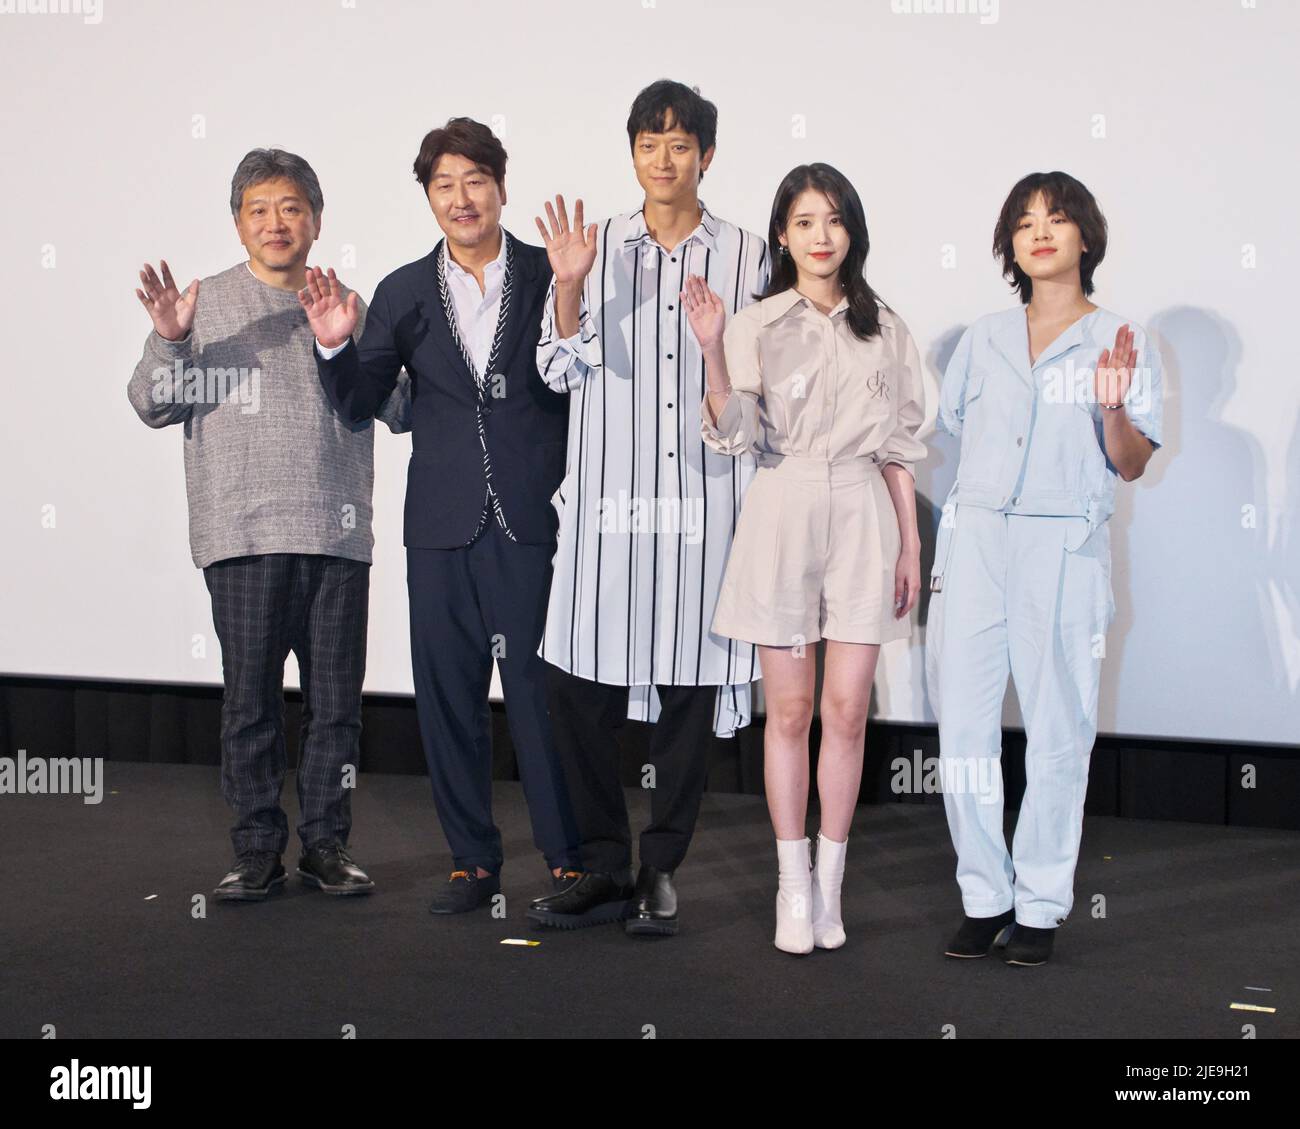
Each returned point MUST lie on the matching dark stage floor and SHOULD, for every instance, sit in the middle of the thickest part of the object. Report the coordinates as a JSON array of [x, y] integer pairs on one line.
[[99, 939]]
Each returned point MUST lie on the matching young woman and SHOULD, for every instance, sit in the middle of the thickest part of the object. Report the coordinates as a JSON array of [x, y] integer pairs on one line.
[[822, 383], [1051, 409]]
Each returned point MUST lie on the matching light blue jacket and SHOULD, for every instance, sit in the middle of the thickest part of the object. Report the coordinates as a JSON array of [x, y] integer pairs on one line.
[[1031, 438]]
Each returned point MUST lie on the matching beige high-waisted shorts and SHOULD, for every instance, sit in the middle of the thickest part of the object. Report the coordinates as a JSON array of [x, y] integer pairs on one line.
[[814, 556]]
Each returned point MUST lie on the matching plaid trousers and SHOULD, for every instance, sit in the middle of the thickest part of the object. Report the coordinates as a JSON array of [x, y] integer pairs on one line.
[[263, 607]]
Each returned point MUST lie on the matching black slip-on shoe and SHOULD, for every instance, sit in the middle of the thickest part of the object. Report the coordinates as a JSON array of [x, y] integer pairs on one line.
[[254, 875], [593, 899], [1029, 946], [653, 912], [978, 935], [465, 891], [566, 878], [328, 866]]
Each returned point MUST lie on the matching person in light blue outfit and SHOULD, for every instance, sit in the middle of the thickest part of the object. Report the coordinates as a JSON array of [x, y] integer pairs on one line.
[[1053, 401]]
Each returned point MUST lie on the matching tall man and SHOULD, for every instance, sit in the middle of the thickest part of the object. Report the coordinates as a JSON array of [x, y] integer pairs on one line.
[[647, 511], [487, 454], [279, 507]]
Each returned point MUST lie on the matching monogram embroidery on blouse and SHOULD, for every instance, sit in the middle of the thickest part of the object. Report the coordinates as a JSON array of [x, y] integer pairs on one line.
[[877, 387]]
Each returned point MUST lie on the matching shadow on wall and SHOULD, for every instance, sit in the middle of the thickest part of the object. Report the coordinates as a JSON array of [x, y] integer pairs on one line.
[[1198, 552], [1284, 582]]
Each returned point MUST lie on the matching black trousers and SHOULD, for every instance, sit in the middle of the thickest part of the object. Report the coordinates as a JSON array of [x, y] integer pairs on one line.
[[585, 715], [263, 607], [469, 606]]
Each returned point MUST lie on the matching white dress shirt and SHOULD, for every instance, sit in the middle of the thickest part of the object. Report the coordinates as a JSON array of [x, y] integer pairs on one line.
[[476, 310], [647, 510]]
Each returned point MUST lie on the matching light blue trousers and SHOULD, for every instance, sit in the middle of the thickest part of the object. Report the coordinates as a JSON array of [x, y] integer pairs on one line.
[[1032, 596]]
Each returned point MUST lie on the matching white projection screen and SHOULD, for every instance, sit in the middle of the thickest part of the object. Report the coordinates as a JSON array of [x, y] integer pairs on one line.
[[124, 120]]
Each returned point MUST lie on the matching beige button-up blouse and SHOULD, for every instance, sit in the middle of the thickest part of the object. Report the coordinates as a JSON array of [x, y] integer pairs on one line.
[[802, 384]]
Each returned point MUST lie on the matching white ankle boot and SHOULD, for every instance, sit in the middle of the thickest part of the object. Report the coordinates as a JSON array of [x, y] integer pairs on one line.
[[794, 929], [828, 928]]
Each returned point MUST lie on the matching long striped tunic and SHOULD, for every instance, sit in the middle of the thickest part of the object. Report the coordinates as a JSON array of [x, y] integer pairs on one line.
[[647, 511]]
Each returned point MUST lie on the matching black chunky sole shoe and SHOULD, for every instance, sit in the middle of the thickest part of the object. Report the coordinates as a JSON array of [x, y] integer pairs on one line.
[[602, 914], [594, 899], [640, 926]]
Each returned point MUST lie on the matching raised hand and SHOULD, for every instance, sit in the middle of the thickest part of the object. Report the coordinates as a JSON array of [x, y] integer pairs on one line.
[[331, 307], [1115, 370], [705, 311], [171, 311], [571, 252]]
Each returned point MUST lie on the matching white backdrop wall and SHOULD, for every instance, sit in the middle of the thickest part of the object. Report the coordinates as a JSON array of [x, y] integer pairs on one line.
[[124, 121]]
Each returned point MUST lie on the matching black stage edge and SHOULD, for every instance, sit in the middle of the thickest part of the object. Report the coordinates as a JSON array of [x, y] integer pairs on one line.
[[1240, 785]]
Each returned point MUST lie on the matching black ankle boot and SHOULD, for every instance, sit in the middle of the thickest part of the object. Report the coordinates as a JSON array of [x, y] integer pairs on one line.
[[978, 935], [1029, 946], [654, 905]]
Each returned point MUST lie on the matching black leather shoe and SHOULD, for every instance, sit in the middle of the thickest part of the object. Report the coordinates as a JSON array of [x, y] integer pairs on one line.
[[654, 904], [465, 891], [566, 878], [592, 900], [254, 875], [328, 865], [978, 935], [1029, 946]]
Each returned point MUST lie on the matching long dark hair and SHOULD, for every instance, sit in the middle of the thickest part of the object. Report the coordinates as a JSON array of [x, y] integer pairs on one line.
[[863, 313]]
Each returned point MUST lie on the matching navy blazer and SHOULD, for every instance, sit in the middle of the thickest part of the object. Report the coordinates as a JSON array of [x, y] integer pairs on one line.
[[525, 424]]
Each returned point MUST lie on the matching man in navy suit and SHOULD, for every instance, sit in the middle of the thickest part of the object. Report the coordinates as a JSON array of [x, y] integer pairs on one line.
[[488, 453]]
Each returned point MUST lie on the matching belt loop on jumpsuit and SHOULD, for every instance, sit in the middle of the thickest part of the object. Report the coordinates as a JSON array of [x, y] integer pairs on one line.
[[943, 542], [1095, 513]]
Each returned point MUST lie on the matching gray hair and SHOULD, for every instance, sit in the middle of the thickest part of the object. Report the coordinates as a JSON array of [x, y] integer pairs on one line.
[[259, 165]]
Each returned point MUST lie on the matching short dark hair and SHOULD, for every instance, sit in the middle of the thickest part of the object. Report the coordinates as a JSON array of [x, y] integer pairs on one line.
[[466, 138], [1061, 193], [260, 165], [690, 112]]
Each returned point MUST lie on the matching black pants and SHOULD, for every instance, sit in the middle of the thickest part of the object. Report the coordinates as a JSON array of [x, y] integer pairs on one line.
[[469, 606], [263, 607], [585, 715]]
